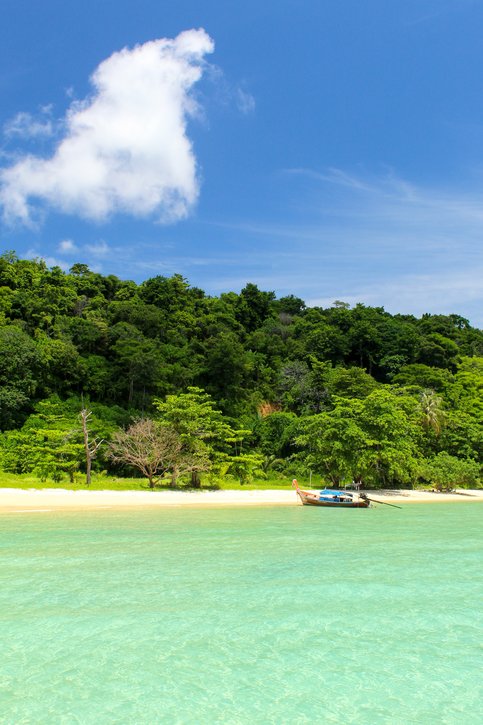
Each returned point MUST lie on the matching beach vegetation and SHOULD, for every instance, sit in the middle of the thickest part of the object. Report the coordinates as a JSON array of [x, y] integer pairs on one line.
[[154, 450], [445, 472]]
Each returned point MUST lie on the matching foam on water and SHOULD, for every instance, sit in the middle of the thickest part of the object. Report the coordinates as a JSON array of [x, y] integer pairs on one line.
[[242, 615]]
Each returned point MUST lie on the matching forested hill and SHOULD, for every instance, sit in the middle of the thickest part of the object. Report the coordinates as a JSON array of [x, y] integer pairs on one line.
[[124, 345]]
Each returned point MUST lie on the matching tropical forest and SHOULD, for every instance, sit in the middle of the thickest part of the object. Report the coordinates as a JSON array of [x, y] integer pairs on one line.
[[159, 384]]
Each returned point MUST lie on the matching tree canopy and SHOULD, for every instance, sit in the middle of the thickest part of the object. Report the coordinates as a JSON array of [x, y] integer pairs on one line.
[[245, 380]]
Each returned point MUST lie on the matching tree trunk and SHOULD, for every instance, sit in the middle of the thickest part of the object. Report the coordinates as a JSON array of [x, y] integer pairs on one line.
[[90, 448], [174, 477], [84, 416], [195, 479]]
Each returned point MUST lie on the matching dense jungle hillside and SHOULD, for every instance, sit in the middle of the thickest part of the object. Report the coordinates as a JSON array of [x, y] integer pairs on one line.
[[349, 393]]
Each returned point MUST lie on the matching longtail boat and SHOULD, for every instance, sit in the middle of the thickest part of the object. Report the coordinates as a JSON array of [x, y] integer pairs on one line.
[[329, 497]]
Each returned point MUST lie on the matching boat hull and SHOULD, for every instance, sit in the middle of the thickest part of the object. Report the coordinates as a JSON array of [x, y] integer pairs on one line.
[[313, 499]]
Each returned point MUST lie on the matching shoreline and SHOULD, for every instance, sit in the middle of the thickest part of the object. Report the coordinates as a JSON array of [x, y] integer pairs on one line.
[[15, 500]]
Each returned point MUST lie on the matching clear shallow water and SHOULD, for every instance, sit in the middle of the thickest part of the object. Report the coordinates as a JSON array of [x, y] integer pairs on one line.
[[242, 615]]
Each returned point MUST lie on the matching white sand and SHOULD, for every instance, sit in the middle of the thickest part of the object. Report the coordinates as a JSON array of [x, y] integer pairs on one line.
[[41, 500]]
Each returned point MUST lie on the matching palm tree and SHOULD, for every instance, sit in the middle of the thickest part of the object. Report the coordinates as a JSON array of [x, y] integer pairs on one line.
[[433, 416]]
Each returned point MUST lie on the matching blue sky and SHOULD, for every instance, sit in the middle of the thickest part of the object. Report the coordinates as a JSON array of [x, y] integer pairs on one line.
[[332, 149]]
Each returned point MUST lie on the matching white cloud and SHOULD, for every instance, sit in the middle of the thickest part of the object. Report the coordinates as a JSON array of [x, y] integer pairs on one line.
[[244, 101], [67, 246], [444, 292], [125, 148], [101, 249], [381, 240], [49, 261], [24, 125]]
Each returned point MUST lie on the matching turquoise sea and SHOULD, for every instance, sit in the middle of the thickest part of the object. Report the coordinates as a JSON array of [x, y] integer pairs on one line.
[[242, 615]]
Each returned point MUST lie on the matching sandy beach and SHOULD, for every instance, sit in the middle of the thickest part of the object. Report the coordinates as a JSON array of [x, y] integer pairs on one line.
[[40, 500]]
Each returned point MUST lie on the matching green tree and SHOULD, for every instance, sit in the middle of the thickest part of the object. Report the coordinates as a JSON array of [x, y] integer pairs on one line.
[[245, 466], [253, 307], [226, 371], [289, 305], [433, 415], [374, 440], [20, 366], [462, 436], [423, 377], [275, 434], [444, 472], [48, 444], [138, 361], [333, 442], [353, 382], [391, 456], [62, 366], [204, 430], [439, 351]]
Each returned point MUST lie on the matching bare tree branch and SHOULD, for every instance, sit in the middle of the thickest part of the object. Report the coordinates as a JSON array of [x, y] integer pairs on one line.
[[149, 447], [90, 447]]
